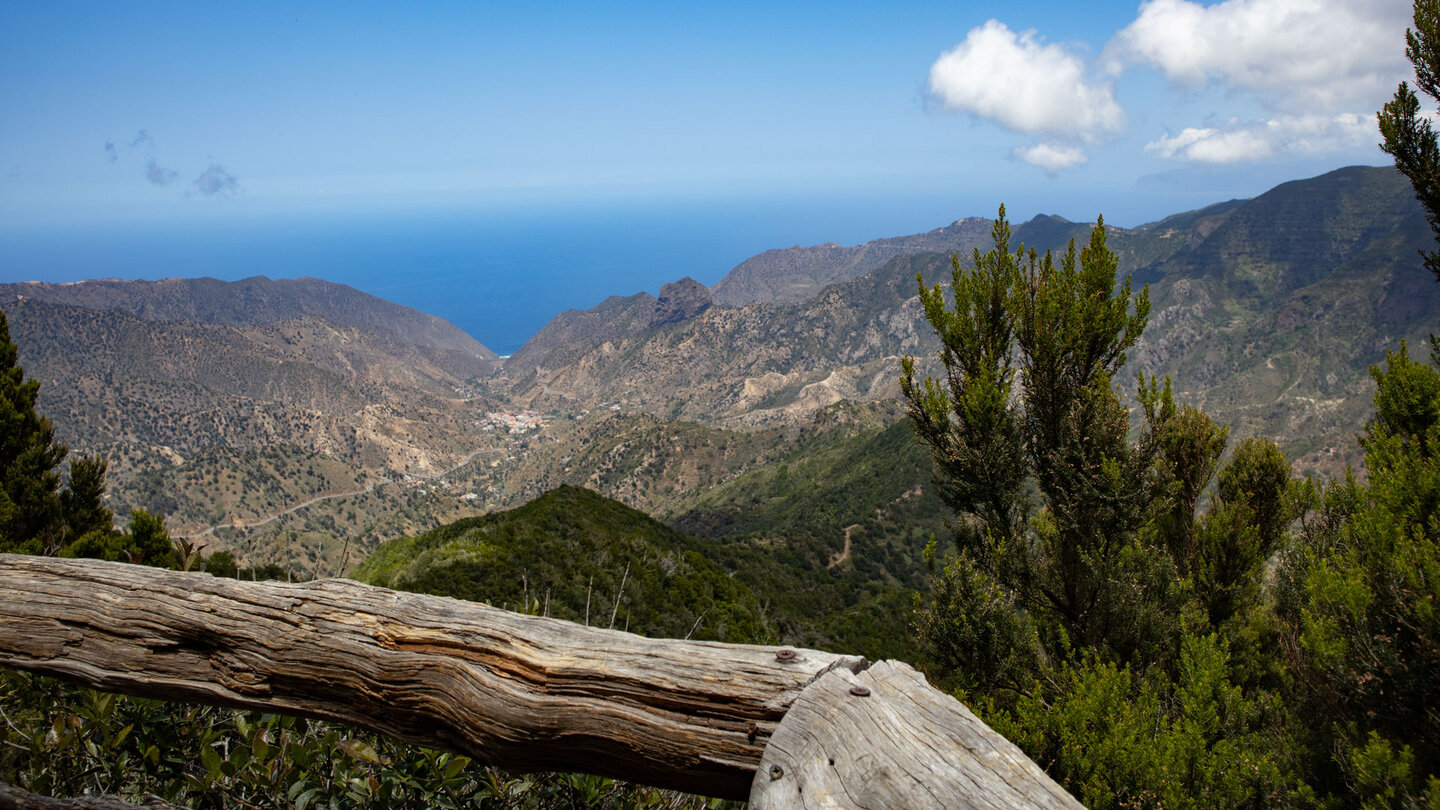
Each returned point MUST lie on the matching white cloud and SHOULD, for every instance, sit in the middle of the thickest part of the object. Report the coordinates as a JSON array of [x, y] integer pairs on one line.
[[1052, 157], [1309, 75], [216, 182], [1294, 54], [1169, 146], [1319, 67], [1241, 142], [1024, 85]]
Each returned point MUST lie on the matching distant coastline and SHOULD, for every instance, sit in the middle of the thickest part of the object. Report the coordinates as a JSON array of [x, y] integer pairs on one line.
[[498, 276]]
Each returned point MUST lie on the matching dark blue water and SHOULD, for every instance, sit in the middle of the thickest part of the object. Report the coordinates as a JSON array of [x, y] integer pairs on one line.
[[499, 274]]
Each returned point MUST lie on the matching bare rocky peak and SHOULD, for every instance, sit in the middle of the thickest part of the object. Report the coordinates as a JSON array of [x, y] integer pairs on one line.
[[571, 333], [680, 301], [577, 330]]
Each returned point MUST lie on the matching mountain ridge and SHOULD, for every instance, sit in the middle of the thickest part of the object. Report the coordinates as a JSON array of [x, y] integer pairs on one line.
[[1220, 284], [258, 300], [206, 422], [794, 274], [198, 417]]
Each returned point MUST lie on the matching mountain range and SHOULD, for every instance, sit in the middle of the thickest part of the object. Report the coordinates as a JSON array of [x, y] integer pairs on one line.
[[729, 412], [1266, 312], [218, 402]]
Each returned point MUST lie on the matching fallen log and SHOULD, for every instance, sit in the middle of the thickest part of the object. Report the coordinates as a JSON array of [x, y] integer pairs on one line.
[[883, 738], [520, 692]]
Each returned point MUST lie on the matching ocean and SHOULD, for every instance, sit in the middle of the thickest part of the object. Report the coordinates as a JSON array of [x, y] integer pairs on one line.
[[498, 273]]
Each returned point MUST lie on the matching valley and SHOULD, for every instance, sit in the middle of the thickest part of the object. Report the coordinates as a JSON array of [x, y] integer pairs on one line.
[[692, 465], [302, 424], [688, 405]]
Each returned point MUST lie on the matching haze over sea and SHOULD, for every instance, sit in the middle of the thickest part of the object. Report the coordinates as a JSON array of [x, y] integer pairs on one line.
[[498, 273]]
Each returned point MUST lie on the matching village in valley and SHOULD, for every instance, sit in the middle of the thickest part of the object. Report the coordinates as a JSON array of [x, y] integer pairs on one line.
[[512, 423]]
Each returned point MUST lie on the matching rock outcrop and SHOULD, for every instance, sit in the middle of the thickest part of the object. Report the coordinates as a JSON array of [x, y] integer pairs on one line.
[[680, 301]]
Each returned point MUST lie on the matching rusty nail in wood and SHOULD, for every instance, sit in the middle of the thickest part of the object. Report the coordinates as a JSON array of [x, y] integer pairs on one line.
[[785, 655], [859, 691], [776, 772], [752, 731]]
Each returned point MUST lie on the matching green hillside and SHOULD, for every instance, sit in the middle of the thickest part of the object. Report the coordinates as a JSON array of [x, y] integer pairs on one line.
[[788, 580], [835, 479], [571, 548]]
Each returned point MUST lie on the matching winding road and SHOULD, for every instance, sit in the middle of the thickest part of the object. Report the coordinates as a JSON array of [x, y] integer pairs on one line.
[[249, 524], [842, 556]]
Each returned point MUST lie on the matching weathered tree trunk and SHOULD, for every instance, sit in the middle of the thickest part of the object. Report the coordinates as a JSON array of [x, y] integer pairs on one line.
[[885, 738], [520, 692]]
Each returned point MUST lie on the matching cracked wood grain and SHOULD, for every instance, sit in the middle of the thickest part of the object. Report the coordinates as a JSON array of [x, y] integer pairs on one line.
[[897, 743]]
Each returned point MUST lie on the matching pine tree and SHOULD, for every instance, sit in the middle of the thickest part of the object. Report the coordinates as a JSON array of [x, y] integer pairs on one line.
[[1409, 137], [1088, 615], [971, 421], [1063, 330], [30, 511], [83, 501]]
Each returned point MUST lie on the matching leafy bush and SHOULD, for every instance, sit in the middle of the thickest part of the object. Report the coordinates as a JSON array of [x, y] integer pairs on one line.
[[61, 740]]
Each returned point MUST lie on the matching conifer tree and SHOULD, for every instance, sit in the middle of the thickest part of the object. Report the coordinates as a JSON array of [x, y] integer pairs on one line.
[[83, 501], [1065, 331], [30, 510], [1409, 136], [1072, 617], [971, 421]]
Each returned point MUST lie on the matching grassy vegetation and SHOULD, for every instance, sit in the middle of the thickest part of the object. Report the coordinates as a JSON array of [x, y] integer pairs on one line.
[[828, 481], [762, 555], [575, 555]]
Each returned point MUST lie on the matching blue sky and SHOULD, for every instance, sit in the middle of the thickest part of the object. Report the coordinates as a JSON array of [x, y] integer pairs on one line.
[[161, 112]]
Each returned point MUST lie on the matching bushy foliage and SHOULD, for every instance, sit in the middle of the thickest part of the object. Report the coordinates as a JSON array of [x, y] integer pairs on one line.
[[1359, 601], [1156, 624], [1118, 736], [1408, 135], [576, 555]]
